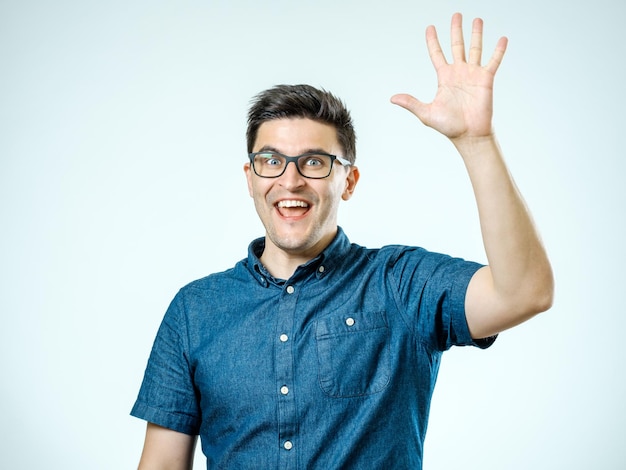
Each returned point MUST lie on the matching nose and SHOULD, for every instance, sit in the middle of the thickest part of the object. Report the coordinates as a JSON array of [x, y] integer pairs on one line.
[[291, 178]]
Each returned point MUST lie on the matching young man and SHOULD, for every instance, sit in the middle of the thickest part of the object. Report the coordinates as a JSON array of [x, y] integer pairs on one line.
[[317, 353]]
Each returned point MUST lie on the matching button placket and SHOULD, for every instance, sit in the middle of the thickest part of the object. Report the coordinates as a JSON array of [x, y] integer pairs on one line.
[[287, 419]]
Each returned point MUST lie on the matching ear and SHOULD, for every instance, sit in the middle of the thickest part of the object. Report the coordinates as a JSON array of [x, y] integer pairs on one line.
[[351, 180], [248, 171]]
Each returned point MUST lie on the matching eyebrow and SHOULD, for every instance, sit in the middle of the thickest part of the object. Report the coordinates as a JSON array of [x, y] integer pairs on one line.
[[269, 148]]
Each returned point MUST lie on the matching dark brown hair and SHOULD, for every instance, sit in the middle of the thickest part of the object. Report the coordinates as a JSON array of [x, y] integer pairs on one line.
[[302, 101]]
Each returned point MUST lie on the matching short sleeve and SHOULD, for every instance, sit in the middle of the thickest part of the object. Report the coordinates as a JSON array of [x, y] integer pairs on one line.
[[432, 289], [167, 396]]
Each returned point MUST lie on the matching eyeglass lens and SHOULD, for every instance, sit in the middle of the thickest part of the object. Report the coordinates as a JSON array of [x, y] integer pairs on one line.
[[311, 166]]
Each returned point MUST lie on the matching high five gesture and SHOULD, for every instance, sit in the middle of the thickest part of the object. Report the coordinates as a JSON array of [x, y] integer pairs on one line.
[[463, 105], [518, 282]]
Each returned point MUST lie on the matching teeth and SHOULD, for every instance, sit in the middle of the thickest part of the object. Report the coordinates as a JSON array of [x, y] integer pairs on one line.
[[292, 204]]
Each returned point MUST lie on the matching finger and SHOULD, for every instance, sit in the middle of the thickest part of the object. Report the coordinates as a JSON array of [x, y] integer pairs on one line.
[[456, 37], [476, 43], [497, 56], [411, 104], [434, 48]]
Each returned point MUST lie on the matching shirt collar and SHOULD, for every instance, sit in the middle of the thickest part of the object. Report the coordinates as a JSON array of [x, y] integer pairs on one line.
[[323, 264]]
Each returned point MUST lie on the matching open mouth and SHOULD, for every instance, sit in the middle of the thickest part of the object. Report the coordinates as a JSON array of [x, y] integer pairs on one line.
[[292, 208]]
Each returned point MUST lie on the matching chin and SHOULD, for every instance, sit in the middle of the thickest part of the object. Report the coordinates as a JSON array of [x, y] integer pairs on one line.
[[293, 243]]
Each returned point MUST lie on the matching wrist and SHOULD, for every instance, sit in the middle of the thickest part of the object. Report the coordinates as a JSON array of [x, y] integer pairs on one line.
[[469, 146]]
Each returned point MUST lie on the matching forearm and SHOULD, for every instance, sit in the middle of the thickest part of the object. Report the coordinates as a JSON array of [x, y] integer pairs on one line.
[[520, 269]]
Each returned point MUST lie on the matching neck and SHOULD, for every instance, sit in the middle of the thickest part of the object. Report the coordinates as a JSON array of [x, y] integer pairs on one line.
[[281, 264], [283, 254]]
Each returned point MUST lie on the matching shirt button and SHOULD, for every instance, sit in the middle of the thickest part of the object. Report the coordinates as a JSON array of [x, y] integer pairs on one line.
[[321, 269], [349, 321], [288, 445], [284, 390], [290, 290], [284, 338]]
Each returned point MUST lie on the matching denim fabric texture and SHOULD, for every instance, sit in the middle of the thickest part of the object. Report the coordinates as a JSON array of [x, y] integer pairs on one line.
[[333, 368]]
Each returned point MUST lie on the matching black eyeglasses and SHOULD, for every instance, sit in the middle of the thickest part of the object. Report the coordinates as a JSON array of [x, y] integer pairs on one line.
[[315, 165]]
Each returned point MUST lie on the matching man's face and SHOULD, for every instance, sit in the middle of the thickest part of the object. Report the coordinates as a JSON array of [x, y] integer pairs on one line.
[[299, 214]]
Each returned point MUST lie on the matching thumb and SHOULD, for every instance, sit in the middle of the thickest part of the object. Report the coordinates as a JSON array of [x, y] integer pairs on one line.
[[411, 104]]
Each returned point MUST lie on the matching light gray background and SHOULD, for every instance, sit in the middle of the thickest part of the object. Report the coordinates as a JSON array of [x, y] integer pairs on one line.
[[121, 147]]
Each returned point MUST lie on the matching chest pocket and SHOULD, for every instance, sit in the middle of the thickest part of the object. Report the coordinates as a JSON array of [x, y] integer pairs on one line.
[[353, 353]]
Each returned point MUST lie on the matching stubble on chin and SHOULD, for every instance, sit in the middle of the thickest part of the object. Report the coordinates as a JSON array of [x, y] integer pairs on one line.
[[292, 243]]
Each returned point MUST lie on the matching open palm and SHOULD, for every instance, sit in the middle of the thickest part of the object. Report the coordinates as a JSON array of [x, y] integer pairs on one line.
[[463, 105]]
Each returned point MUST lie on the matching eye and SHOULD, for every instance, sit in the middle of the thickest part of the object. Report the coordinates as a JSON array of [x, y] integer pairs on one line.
[[315, 161], [270, 159]]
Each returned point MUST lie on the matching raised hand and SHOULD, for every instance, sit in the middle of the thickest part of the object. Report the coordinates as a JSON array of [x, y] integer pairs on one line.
[[463, 105]]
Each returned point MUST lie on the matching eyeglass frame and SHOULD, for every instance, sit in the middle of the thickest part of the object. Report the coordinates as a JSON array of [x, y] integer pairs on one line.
[[295, 159]]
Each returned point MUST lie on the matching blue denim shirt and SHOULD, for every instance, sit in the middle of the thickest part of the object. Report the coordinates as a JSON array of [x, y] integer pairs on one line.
[[332, 368]]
